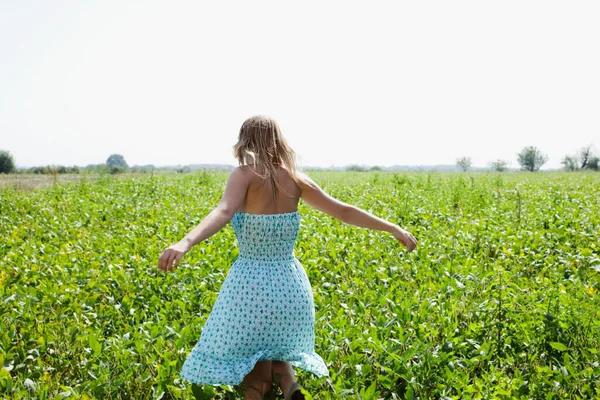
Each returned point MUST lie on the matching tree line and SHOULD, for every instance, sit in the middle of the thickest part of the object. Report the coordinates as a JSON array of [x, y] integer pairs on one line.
[[114, 164], [530, 158]]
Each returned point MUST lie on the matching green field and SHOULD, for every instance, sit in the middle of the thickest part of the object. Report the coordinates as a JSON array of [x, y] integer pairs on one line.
[[501, 299]]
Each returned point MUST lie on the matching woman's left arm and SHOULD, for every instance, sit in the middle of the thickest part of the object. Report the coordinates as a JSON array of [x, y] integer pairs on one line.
[[233, 198]]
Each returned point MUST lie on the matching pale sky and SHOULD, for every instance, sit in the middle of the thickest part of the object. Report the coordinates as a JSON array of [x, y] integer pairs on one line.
[[371, 82]]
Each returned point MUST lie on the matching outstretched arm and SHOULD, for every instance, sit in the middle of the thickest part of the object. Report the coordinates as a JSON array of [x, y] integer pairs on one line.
[[232, 199], [315, 197]]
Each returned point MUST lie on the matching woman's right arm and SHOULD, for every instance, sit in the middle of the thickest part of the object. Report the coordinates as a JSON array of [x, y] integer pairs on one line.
[[315, 197]]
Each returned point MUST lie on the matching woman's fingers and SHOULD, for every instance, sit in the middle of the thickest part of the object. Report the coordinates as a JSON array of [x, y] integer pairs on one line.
[[162, 261], [410, 241], [408, 244], [169, 260], [413, 242], [176, 260]]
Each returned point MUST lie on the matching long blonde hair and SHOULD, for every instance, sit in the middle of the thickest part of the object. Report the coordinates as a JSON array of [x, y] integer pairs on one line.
[[261, 141]]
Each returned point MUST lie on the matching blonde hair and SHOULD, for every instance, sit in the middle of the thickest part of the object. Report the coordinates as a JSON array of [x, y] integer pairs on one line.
[[261, 140]]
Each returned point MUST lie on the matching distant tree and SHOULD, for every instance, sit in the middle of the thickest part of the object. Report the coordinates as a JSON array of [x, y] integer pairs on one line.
[[584, 159], [116, 160], [531, 158], [375, 168], [147, 168], [355, 167], [7, 163], [584, 155], [116, 169], [593, 163], [499, 165], [571, 163], [464, 163], [54, 169]]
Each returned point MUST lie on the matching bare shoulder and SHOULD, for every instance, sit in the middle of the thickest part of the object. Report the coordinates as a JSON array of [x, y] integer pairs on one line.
[[241, 173], [242, 169], [251, 170], [307, 182]]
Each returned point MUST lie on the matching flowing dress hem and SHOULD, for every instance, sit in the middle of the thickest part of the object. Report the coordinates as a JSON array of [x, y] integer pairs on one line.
[[309, 362]]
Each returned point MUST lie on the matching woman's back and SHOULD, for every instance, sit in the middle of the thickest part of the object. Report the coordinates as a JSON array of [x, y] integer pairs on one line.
[[259, 196]]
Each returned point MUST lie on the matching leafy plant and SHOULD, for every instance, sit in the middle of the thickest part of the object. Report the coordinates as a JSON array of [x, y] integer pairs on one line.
[[500, 299]]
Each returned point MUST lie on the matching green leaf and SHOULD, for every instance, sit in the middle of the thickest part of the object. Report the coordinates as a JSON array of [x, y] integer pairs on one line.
[[558, 346], [370, 392], [204, 392], [410, 393], [94, 344]]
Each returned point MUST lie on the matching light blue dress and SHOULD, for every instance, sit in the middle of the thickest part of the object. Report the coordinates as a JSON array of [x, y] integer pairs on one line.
[[264, 310]]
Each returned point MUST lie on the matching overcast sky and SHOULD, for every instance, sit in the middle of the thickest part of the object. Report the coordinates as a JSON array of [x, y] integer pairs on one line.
[[384, 83]]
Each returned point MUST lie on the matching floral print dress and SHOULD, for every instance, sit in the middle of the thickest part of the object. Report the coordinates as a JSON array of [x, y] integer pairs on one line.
[[264, 310]]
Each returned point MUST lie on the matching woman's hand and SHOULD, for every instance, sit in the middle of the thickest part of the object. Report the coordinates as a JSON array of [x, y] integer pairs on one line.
[[169, 259], [405, 238]]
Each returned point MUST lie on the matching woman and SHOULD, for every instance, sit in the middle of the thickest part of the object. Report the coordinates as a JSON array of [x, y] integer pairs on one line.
[[262, 322]]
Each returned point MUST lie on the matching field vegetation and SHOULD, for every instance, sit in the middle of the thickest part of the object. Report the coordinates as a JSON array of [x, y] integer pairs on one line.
[[500, 299]]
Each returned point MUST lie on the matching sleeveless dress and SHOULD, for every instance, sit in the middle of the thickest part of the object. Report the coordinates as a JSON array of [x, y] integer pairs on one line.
[[264, 309]]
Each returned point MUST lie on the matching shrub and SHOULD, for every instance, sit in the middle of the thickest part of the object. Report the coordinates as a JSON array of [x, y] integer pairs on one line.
[[7, 163]]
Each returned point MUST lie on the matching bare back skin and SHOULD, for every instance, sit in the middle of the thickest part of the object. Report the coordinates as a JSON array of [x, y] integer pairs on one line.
[[259, 196]]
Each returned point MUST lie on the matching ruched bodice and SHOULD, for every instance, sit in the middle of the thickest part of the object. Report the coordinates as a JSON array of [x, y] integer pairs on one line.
[[266, 237]]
